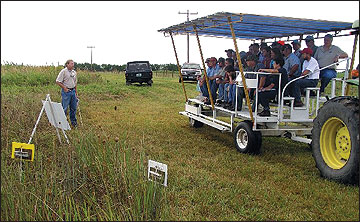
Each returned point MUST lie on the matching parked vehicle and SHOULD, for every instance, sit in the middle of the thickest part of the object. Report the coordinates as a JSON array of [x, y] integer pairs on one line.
[[190, 71], [329, 124], [138, 71]]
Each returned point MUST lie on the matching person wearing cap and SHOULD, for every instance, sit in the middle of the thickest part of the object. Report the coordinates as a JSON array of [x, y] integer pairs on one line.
[[211, 71], [229, 53], [309, 40], [220, 80], [201, 80], [296, 46], [311, 71], [292, 62], [327, 55]]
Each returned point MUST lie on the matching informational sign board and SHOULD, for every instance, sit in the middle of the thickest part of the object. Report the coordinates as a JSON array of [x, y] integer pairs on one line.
[[157, 172], [59, 114], [23, 151]]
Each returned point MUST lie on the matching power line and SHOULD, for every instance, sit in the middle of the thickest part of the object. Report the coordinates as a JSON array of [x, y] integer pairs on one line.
[[188, 13]]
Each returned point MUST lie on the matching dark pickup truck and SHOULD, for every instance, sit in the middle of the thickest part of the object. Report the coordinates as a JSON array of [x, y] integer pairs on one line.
[[138, 71]]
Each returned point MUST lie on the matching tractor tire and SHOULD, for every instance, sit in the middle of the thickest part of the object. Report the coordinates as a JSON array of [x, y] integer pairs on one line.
[[196, 124], [335, 140], [246, 140]]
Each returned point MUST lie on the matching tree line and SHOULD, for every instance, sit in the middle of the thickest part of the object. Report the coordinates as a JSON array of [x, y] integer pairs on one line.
[[120, 68]]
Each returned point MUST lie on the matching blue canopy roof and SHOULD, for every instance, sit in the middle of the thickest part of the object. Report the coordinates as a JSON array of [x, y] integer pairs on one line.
[[255, 27]]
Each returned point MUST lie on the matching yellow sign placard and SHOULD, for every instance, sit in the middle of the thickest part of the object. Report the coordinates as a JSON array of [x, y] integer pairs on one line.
[[23, 151]]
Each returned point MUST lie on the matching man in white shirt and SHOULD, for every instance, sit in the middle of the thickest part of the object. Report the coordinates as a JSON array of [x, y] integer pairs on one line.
[[67, 80], [312, 72]]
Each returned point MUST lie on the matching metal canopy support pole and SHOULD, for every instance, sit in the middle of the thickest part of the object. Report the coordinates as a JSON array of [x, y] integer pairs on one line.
[[241, 69], [206, 77], [178, 66], [352, 63]]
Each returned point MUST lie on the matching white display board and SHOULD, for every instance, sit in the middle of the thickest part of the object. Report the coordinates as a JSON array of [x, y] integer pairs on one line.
[[59, 115]]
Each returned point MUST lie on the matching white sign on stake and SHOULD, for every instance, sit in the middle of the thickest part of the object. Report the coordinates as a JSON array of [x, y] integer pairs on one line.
[[157, 172]]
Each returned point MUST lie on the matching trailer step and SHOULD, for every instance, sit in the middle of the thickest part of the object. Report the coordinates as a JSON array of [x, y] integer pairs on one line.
[[207, 122]]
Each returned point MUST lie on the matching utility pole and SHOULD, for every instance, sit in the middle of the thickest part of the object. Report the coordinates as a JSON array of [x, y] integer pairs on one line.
[[187, 13], [91, 47]]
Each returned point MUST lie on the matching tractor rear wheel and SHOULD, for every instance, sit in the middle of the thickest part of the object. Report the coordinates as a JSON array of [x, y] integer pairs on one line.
[[335, 143]]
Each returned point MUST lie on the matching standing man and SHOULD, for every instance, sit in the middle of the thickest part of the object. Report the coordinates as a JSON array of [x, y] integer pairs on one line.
[[327, 55], [67, 80], [311, 69]]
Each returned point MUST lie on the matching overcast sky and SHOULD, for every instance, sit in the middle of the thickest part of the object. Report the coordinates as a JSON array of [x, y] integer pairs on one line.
[[40, 33]]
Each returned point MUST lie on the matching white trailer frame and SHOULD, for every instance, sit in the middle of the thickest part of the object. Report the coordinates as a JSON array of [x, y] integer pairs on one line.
[[289, 121]]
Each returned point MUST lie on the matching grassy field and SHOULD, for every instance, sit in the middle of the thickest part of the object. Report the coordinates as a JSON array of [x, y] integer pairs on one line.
[[102, 174]]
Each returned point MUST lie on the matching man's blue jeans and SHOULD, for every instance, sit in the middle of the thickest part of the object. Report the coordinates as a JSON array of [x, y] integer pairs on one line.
[[301, 84], [69, 99], [326, 75], [221, 91], [213, 89]]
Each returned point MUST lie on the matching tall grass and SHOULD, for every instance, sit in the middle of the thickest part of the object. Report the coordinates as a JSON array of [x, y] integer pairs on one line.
[[97, 177], [101, 175], [39, 76]]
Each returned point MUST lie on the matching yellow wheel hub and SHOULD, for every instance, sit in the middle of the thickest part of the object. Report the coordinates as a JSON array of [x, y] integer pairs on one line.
[[335, 143]]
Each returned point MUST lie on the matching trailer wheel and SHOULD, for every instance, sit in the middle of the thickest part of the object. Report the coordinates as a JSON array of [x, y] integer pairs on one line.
[[246, 140], [194, 123], [335, 144]]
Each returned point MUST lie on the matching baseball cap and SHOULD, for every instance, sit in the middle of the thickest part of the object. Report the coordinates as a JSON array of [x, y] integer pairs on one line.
[[281, 42], [307, 51], [229, 50], [213, 59], [309, 38], [328, 36], [295, 42]]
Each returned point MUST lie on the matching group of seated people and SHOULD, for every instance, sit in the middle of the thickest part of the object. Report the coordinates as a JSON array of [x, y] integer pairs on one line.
[[278, 59]]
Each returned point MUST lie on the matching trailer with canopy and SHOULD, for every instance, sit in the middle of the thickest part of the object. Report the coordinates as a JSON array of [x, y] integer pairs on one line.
[[332, 132]]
